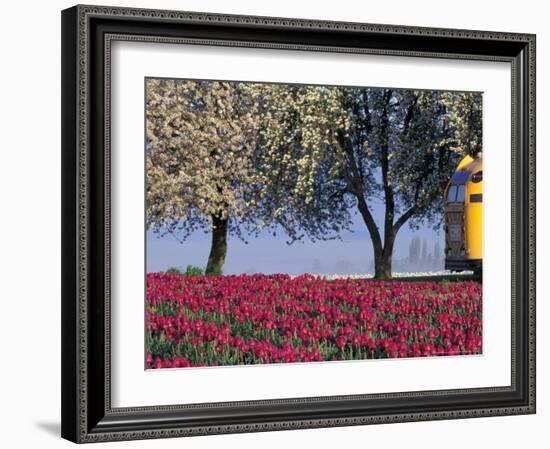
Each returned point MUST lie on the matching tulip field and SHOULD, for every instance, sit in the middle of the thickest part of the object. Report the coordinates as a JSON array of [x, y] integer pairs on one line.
[[259, 319]]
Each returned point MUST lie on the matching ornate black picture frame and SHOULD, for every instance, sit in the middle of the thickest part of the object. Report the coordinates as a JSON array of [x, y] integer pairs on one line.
[[87, 34]]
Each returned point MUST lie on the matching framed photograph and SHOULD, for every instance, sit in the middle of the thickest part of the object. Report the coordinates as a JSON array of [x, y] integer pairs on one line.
[[276, 224]]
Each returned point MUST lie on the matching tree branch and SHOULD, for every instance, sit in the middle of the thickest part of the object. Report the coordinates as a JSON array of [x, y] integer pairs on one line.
[[409, 115], [355, 187], [384, 162], [403, 219], [371, 224]]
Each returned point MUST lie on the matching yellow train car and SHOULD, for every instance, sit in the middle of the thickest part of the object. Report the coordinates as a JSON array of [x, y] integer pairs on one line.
[[464, 217]]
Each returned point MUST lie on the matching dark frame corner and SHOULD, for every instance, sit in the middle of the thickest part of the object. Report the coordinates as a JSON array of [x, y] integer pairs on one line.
[[87, 414]]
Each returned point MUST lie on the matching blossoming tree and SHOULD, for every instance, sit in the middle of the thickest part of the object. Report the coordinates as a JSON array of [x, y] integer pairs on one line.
[[398, 146], [200, 174]]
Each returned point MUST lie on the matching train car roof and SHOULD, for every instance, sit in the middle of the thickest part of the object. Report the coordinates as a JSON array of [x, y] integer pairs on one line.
[[466, 167]]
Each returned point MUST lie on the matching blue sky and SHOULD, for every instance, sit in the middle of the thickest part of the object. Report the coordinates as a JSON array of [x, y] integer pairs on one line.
[[268, 254]]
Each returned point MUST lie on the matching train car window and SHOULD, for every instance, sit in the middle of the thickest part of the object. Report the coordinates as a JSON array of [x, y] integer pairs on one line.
[[451, 194], [477, 176], [460, 194], [476, 198]]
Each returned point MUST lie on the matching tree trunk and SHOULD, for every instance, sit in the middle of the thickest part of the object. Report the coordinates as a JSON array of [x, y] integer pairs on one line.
[[383, 260], [218, 249], [382, 267]]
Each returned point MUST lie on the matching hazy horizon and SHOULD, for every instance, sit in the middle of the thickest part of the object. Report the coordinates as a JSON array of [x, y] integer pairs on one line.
[[267, 254]]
